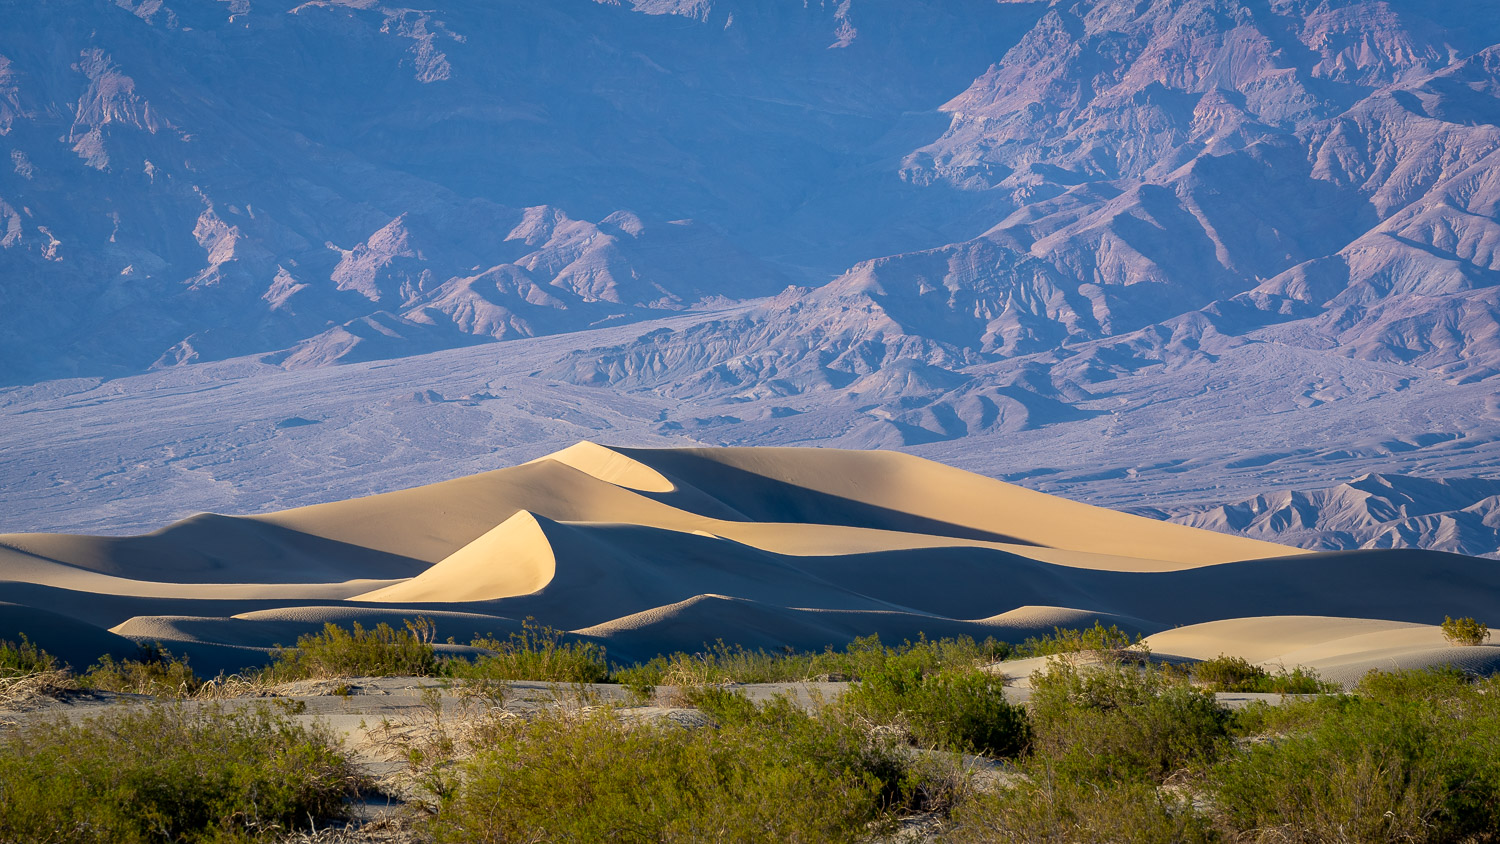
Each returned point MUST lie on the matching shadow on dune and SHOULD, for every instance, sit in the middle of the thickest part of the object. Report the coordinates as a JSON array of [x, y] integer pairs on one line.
[[210, 548], [760, 498]]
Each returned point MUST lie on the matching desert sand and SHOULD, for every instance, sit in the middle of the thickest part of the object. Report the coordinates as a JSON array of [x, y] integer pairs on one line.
[[652, 550]]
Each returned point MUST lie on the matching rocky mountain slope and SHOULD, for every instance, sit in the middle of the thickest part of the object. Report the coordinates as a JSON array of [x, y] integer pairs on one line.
[[1458, 515], [1184, 177], [1144, 253], [194, 181]]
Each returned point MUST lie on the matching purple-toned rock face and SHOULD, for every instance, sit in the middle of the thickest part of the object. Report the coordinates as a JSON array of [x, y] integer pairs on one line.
[[199, 183], [950, 226], [189, 182]]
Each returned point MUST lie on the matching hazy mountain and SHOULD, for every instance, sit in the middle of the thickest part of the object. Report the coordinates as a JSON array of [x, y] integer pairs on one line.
[[1139, 252], [1459, 515], [1185, 177], [194, 181]]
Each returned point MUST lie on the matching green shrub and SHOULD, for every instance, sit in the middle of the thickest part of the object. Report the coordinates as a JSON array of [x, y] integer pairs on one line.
[[336, 652], [1261, 719], [169, 773], [1123, 723], [1432, 685], [721, 704], [1109, 640], [19, 660], [1236, 674], [1465, 631], [777, 774], [640, 680], [1229, 674], [537, 652], [1045, 809], [155, 671], [951, 708], [1412, 756]]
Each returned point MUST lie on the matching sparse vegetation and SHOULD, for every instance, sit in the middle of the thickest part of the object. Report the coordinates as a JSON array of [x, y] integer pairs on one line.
[[20, 659], [1465, 631], [721, 663], [1046, 808], [1410, 756], [537, 652], [1122, 723], [1236, 674], [952, 709], [154, 671], [1106, 750], [381, 651], [771, 773], [1108, 641], [169, 773], [29, 674]]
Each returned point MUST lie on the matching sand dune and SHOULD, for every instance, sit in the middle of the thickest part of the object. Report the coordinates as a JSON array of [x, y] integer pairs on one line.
[[647, 550], [1339, 649]]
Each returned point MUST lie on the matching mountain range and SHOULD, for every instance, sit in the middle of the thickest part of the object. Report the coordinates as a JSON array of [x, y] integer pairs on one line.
[[1248, 242]]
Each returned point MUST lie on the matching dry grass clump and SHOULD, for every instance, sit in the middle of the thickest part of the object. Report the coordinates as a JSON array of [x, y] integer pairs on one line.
[[26, 691], [395, 827], [29, 675], [433, 744]]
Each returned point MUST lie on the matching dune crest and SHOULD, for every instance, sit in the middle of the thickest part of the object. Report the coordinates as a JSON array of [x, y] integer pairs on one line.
[[515, 558], [649, 550], [612, 467]]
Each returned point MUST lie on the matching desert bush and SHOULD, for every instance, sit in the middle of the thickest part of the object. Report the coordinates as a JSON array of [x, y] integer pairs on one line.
[[957, 709], [537, 652], [1236, 674], [1411, 756], [20, 659], [154, 671], [772, 774], [1109, 641], [379, 652], [1465, 631], [1046, 809], [169, 773], [1123, 723], [1438, 683]]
